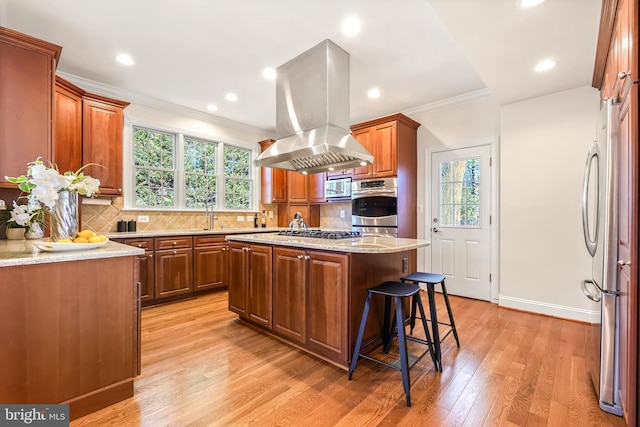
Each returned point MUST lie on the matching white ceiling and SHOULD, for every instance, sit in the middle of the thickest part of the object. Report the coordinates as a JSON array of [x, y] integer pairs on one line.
[[417, 52]]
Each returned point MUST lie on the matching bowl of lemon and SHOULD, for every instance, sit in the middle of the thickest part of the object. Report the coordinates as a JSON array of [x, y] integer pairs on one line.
[[85, 239]]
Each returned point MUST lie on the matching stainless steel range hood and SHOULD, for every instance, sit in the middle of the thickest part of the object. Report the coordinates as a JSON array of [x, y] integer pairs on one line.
[[312, 114]]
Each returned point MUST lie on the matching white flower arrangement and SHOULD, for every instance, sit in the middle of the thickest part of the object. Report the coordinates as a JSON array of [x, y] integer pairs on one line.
[[43, 184], [24, 215]]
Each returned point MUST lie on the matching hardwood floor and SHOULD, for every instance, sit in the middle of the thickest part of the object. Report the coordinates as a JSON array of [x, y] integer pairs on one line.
[[201, 367]]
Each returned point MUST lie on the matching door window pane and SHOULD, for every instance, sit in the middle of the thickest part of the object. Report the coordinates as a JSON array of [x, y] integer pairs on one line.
[[460, 193]]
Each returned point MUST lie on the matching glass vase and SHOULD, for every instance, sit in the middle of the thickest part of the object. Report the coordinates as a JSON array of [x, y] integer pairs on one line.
[[63, 218], [34, 231]]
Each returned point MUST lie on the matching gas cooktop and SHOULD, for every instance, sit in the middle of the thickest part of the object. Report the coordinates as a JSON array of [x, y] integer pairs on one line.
[[320, 234]]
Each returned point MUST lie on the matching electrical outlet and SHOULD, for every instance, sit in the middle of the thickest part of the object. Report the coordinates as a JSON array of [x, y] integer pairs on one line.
[[240, 218], [270, 214], [143, 218], [249, 217], [341, 214]]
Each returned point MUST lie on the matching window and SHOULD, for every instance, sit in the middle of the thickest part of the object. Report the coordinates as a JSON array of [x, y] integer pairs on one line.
[[237, 178], [460, 193], [176, 171], [200, 173], [154, 168]]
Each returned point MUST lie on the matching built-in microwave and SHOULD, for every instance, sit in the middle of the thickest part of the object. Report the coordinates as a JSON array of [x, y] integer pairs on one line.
[[337, 188]]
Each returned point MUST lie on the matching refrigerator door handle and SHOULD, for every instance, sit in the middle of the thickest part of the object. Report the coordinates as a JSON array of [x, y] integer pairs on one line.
[[593, 297], [594, 153]]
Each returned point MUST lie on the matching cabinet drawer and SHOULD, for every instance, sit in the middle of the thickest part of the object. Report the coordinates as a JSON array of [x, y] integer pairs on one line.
[[208, 240], [175, 242], [144, 243]]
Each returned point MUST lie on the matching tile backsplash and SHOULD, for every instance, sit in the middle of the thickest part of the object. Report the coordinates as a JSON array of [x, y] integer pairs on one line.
[[104, 218]]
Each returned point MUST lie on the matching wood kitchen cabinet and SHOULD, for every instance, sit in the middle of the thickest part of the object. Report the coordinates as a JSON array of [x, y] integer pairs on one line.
[[102, 122], [146, 267], [273, 181], [173, 266], [289, 293], [250, 282], [209, 262], [393, 142], [67, 126], [310, 300], [27, 67]]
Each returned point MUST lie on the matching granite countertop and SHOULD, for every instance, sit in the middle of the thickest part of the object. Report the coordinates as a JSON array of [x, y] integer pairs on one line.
[[187, 232], [24, 252], [366, 244]]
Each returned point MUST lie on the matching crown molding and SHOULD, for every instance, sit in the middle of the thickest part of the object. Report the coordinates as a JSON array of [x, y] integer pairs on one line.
[[449, 102], [147, 101]]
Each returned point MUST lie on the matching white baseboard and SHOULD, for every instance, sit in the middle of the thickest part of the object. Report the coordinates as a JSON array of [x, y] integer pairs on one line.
[[564, 312]]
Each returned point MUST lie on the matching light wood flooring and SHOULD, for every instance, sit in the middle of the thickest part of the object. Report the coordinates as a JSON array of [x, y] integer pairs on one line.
[[201, 367]]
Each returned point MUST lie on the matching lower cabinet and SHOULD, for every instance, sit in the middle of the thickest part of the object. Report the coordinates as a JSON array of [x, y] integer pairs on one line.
[[310, 300], [174, 266], [146, 267], [209, 262], [250, 282]]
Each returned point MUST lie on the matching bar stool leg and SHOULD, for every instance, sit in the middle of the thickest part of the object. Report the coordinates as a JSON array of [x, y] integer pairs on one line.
[[428, 336], [434, 323], [387, 329], [453, 323], [412, 320], [363, 324], [404, 357]]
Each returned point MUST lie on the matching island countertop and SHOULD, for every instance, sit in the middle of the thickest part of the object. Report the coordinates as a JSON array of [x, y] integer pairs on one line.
[[24, 252], [365, 244]]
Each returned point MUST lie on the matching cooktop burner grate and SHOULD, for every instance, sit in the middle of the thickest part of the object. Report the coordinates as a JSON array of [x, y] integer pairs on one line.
[[320, 234]]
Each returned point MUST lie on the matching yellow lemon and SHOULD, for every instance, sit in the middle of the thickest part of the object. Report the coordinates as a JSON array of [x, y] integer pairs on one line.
[[64, 241], [86, 234], [80, 240], [97, 239]]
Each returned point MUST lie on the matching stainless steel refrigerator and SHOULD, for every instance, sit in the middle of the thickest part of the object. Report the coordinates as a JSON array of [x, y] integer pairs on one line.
[[600, 223]]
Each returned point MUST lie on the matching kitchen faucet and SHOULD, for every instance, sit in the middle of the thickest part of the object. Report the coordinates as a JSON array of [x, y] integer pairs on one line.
[[208, 211]]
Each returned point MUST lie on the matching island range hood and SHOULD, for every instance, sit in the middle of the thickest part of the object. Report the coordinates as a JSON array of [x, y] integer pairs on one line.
[[312, 114]]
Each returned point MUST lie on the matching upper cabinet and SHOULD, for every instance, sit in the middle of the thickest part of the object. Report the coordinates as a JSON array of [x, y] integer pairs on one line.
[[393, 142], [102, 121], [273, 181], [87, 128], [67, 126], [27, 67]]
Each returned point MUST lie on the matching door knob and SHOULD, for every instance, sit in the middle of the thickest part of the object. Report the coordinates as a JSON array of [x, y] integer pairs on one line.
[[435, 229], [622, 263]]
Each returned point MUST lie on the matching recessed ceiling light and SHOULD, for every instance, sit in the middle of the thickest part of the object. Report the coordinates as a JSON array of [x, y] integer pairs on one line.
[[530, 3], [124, 59], [351, 26], [231, 97], [212, 107], [373, 93], [269, 73], [545, 65]]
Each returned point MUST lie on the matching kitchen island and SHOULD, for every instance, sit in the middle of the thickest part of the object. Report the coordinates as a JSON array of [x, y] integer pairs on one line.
[[69, 323], [310, 292]]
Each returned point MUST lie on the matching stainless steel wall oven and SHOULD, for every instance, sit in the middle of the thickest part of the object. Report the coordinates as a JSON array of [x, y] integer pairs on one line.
[[374, 206]]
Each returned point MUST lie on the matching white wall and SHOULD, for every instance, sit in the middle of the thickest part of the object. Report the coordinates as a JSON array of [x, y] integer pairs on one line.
[[544, 143], [542, 151]]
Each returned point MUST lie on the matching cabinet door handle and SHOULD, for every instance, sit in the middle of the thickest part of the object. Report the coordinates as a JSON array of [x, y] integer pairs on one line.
[[175, 243], [150, 255], [139, 245], [175, 252], [307, 257], [300, 256]]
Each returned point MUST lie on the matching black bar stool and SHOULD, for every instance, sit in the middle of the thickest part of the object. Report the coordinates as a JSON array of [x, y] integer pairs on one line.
[[398, 291], [431, 279]]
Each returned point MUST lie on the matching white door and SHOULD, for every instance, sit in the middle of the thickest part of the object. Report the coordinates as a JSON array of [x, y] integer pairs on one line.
[[460, 220]]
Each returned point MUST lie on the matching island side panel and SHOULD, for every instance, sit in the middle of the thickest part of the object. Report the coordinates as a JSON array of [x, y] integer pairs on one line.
[[68, 332], [367, 271]]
